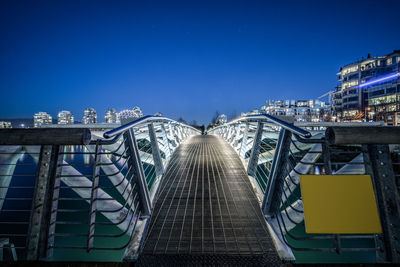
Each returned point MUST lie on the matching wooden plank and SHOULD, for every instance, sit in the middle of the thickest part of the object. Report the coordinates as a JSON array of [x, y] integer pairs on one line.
[[45, 136]]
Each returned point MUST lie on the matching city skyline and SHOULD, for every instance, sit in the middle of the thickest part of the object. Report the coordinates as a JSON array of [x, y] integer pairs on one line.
[[182, 59]]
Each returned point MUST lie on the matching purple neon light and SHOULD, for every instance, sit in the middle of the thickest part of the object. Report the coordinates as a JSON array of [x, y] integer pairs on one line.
[[392, 76]]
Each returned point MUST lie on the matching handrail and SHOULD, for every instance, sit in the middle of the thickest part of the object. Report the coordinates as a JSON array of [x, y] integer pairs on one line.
[[134, 123], [290, 127], [125, 127], [284, 124]]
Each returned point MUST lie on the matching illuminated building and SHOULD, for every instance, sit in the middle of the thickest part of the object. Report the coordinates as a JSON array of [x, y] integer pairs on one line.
[[301, 110], [137, 111], [127, 115], [5, 124], [111, 115], [221, 119], [89, 116], [42, 118], [65, 117], [369, 90]]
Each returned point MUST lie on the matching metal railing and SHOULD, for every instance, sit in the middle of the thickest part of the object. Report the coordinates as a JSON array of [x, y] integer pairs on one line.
[[275, 154], [68, 192]]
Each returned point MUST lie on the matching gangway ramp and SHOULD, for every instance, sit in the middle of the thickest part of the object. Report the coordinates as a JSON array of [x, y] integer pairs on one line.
[[206, 211]]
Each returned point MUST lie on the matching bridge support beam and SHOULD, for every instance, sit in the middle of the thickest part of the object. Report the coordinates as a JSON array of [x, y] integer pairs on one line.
[[41, 229], [378, 164], [93, 197]]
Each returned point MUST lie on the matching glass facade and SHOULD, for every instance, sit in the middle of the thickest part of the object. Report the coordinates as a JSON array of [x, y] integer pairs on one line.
[[367, 84]]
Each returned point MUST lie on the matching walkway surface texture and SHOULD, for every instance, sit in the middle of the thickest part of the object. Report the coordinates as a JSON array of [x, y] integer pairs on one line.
[[206, 212]]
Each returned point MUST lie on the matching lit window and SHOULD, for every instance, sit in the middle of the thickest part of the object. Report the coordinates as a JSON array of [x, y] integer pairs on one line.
[[349, 70], [349, 84]]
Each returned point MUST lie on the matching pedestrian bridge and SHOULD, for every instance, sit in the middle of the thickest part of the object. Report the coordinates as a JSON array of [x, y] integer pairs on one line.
[[158, 192]]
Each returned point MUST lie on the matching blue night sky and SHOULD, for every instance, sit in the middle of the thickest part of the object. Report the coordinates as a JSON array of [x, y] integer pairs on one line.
[[187, 58]]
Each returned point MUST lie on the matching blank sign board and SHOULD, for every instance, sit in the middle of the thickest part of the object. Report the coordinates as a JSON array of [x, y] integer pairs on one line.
[[339, 204]]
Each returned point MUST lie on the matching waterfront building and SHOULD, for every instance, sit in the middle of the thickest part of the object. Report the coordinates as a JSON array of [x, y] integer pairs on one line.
[[130, 114], [254, 112], [221, 119], [369, 90], [313, 110], [111, 116], [89, 116], [5, 124], [65, 117], [42, 118], [137, 111]]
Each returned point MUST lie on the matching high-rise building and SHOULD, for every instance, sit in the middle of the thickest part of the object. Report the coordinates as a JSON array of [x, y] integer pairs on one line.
[[130, 114], [65, 117], [42, 118], [5, 124], [111, 115], [369, 89], [89, 116]]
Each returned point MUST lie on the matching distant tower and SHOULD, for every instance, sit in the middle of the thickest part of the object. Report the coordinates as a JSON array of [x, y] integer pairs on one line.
[[42, 118], [111, 115], [89, 116], [65, 117]]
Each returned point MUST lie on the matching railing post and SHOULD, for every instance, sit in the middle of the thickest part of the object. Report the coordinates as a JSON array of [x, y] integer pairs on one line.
[[54, 196], [378, 164], [326, 155], [165, 142], [93, 198], [182, 136], [185, 130], [255, 151], [223, 132], [236, 135], [137, 172], [170, 131], [177, 135], [227, 130], [231, 134], [40, 238], [273, 189], [155, 150], [242, 152]]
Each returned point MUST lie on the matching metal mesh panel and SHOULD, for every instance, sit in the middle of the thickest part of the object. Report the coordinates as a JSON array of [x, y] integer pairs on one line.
[[206, 206]]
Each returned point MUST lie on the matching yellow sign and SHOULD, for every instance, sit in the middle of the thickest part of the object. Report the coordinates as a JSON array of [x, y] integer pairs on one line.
[[339, 204]]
